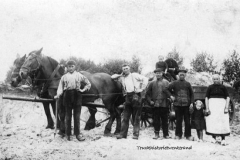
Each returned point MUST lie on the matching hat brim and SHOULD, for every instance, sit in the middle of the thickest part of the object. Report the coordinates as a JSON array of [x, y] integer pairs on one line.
[[185, 71], [157, 71]]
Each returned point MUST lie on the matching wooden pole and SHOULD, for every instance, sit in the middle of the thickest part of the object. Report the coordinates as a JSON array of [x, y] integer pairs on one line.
[[56, 117]]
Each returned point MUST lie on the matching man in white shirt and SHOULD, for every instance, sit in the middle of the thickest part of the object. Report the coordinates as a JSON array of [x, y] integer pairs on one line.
[[133, 84]]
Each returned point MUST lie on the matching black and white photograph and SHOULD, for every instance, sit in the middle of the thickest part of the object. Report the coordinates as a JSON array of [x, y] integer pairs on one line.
[[119, 79]]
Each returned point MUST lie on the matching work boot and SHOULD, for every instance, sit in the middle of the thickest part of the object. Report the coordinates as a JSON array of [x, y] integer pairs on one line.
[[135, 137], [190, 138], [156, 135], [80, 137], [61, 133], [120, 136], [166, 137]]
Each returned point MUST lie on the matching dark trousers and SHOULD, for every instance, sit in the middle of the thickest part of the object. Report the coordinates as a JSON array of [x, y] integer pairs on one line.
[[182, 112], [133, 108], [160, 113], [172, 73], [72, 100]]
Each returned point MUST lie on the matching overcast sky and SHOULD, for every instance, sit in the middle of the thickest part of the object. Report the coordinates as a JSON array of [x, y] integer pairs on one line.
[[102, 29]]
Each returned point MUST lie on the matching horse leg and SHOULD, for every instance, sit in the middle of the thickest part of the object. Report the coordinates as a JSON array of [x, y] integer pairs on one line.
[[118, 119], [50, 123], [91, 123], [108, 128]]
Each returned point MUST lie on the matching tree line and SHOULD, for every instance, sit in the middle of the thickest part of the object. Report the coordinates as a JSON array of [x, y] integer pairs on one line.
[[202, 62]]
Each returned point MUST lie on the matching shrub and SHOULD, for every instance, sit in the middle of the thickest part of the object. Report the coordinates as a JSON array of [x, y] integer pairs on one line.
[[231, 67], [176, 56], [203, 62]]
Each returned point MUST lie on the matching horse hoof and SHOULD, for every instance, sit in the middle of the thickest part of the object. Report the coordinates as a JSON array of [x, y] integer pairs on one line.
[[108, 135], [68, 138]]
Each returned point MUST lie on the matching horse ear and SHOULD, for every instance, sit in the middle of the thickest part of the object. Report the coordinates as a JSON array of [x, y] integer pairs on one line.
[[39, 51], [24, 57]]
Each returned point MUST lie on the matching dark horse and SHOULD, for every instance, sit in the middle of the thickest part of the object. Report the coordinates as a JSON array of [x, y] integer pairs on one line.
[[37, 83], [17, 64], [102, 86]]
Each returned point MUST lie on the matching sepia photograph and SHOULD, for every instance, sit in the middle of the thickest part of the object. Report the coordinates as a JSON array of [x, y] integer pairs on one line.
[[120, 80]]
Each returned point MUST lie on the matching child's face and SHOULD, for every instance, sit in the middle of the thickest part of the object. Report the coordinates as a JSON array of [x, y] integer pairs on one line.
[[71, 68], [160, 58], [198, 104]]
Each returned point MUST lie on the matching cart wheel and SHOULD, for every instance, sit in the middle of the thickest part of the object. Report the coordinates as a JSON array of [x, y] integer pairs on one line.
[[146, 117], [231, 111]]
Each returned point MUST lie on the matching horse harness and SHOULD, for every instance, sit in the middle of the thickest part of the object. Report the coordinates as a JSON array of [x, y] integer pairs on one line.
[[33, 72]]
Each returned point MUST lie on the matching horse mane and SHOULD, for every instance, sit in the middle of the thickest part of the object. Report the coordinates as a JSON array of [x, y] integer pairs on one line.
[[55, 63]]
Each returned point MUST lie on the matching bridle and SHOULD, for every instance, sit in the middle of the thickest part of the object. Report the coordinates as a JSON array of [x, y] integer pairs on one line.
[[28, 68]]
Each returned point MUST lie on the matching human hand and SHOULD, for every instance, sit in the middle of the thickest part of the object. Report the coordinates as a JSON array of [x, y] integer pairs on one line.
[[191, 108], [57, 96], [172, 98], [208, 112], [82, 90], [151, 103], [226, 110]]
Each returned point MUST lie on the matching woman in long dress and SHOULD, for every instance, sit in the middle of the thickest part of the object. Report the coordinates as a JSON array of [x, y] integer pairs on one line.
[[217, 101]]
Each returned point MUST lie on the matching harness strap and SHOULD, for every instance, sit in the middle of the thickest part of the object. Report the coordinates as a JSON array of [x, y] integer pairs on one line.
[[46, 85]]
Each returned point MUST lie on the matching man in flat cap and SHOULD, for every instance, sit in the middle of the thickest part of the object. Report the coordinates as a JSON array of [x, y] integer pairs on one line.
[[182, 96], [133, 85], [70, 89], [157, 95]]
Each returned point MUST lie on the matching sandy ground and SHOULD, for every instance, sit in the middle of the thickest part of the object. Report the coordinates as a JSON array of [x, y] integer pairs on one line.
[[23, 136]]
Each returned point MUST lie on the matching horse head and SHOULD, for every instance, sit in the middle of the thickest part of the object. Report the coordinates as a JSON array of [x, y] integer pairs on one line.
[[31, 65], [15, 78]]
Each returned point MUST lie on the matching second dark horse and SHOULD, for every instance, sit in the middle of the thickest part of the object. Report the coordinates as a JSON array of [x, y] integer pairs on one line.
[[102, 87]]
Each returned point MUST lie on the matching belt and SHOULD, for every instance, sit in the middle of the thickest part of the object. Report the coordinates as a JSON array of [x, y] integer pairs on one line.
[[132, 93]]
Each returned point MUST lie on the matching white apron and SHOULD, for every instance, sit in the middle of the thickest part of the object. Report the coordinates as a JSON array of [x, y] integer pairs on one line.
[[217, 123]]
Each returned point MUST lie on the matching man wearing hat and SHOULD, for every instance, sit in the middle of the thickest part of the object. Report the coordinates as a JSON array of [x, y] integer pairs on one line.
[[182, 96], [133, 86], [156, 95], [70, 88]]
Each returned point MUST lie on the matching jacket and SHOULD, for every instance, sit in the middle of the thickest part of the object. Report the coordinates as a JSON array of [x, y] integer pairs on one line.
[[158, 93], [182, 91]]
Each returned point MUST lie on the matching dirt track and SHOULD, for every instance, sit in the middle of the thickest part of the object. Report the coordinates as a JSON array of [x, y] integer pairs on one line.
[[23, 136]]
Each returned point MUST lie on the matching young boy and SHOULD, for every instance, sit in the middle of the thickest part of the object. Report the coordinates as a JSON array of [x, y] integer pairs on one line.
[[69, 86]]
